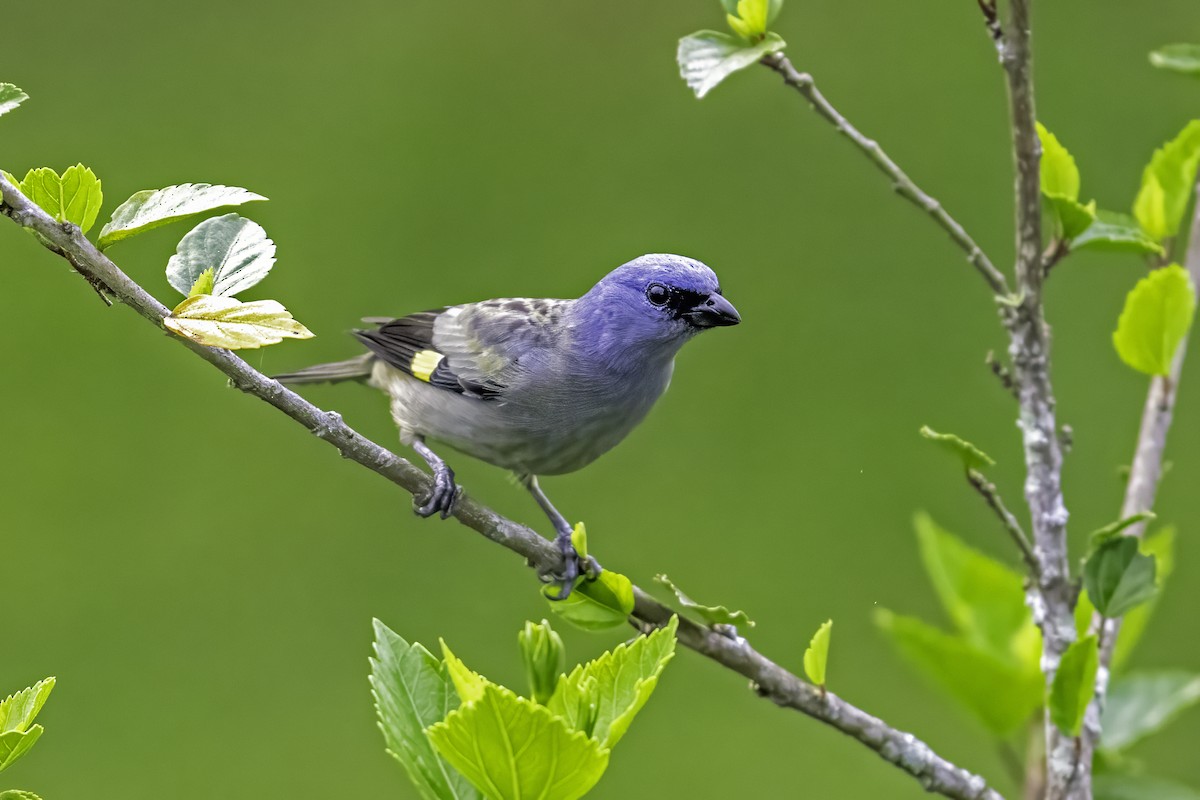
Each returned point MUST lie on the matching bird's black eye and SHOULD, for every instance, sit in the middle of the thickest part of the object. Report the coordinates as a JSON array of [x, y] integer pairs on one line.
[[658, 294]]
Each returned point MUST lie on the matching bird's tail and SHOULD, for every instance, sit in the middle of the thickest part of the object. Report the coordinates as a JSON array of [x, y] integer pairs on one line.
[[352, 369]]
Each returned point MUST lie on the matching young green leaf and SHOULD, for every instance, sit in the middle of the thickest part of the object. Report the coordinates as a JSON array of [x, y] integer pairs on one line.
[[545, 658], [624, 678], [74, 196], [10, 97], [579, 540], [19, 710], [1116, 233], [972, 457], [1059, 175], [706, 57], [1157, 315], [1142, 703], [1121, 786], [412, 691], [232, 324], [1183, 58], [17, 794], [514, 749], [1073, 217], [749, 20], [1074, 684], [984, 598], [594, 605], [204, 283], [467, 683], [15, 744], [237, 248], [1161, 545], [153, 208], [1118, 577], [1167, 184], [713, 615], [817, 655], [1001, 693]]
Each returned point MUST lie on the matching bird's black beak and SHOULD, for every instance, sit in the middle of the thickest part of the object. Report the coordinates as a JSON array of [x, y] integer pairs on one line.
[[711, 312]]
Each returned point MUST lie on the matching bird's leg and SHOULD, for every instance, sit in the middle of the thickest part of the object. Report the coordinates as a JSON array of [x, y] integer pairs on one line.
[[444, 492], [563, 530]]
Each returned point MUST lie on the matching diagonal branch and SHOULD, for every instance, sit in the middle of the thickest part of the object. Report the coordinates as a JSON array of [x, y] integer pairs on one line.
[[733, 652], [803, 83], [991, 495]]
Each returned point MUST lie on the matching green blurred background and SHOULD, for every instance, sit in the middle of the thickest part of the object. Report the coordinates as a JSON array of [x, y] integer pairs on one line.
[[201, 575]]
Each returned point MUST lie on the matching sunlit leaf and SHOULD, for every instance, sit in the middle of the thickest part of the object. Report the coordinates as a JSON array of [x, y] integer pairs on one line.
[[467, 683], [1059, 175], [713, 615], [75, 196], [972, 457], [204, 283], [412, 691], [1118, 577], [1116, 233], [152, 208], [706, 57], [19, 710], [10, 97], [17, 794], [514, 749], [1074, 684], [236, 248], [15, 744], [232, 324], [1001, 694], [579, 540], [621, 681], [816, 657], [1183, 58], [1167, 184], [1142, 703], [1157, 315], [1073, 217], [605, 602], [750, 19]]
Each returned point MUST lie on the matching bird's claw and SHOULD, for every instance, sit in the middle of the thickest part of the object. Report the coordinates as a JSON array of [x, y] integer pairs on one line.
[[573, 567], [441, 497]]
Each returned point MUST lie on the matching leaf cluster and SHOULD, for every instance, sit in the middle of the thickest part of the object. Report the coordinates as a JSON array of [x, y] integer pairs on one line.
[[18, 731]]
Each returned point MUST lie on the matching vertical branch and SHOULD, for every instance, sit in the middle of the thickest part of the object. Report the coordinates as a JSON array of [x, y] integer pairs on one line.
[[1030, 351]]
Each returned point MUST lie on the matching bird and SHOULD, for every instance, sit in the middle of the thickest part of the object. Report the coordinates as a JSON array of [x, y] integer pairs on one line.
[[534, 386]]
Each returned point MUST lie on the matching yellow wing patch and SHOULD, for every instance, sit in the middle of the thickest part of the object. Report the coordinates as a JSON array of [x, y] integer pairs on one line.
[[424, 363]]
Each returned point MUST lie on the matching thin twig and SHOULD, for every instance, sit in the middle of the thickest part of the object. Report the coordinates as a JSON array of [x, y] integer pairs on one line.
[[784, 688], [804, 84], [991, 18], [1002, 374], [992, 495]]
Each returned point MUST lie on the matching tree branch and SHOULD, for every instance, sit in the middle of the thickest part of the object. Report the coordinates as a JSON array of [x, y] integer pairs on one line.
[[1029, 348], [992, 496], [733, 652], [804, 84]]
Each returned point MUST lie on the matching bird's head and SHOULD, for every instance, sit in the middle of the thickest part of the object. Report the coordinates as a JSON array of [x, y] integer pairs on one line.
[[661, 298]]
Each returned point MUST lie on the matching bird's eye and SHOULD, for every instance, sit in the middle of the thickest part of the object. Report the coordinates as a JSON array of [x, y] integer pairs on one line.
[[658, 294]]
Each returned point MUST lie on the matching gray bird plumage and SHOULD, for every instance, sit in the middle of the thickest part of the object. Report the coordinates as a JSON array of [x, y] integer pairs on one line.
[[536, 386]]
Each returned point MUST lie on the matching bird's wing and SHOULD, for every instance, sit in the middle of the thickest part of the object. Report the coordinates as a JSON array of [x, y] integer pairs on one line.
[[474, 349]]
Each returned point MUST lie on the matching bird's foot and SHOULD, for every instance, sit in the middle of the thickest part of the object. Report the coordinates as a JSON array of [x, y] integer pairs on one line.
[[441, 497], [573, 567]]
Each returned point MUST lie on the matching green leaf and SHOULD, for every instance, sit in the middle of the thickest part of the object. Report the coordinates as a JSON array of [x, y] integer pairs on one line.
[[750, 19], [514, 749], [624, 678], [17, 794], [10, 98], [204, 283], [467, 683], [1116, 233], [1167, 184], [1059, 175], [1157, 315], [972, 457], [1073, 217], [706, 57], [412, 691], [153, 208], [594, 605], [544, 656], [232, 324], [1074, 684], [1161, 545], [1183, 58], [984, 598], [1118, 577], [237, 248], [713, 615], [15, 744], [1112, 786], [579, 541], [999, 693], [817, 655], [19, 710], [74, 196], [1142, 703]]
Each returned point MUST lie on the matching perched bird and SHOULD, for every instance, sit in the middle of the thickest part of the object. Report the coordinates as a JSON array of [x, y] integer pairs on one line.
[[536, 386]]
